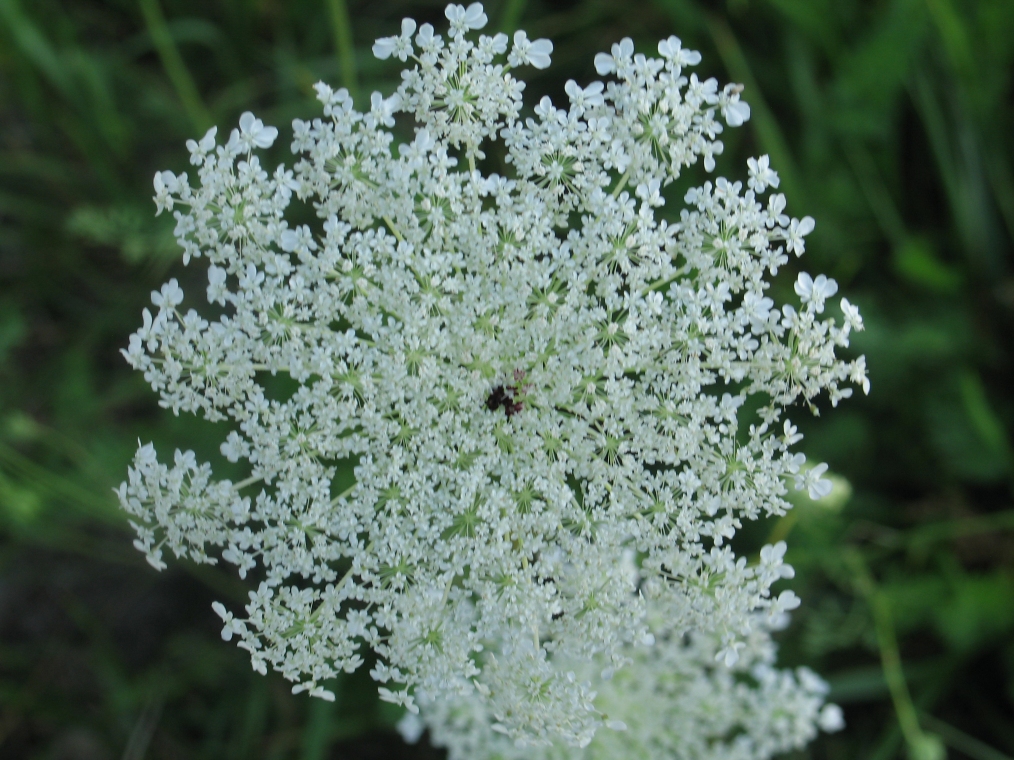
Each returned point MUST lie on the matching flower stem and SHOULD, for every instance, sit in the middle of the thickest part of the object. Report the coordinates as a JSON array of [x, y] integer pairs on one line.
[[343, 494], [890, 659], [174, 66], [621, 183], [344, 45], [248, 482], [390, 224]]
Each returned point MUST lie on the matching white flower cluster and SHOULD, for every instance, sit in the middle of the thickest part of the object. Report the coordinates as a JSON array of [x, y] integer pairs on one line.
[[672, 701], [558, 401]]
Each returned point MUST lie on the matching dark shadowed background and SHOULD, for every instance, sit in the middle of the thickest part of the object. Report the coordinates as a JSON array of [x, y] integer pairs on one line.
[[890, 122]]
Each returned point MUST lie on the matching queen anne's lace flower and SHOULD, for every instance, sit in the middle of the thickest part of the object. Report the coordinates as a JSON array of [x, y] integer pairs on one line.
[[558, 401], [672, 701]]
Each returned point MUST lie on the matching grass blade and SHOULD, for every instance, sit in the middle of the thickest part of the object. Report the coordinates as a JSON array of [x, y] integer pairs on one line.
[[770, 135], [174, 66], [344, 46]]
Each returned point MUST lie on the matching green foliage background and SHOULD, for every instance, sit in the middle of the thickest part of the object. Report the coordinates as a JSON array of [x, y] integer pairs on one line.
[[890, 121]]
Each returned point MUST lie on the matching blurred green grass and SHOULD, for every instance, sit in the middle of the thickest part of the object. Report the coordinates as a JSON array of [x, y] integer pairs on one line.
[[890, 121]]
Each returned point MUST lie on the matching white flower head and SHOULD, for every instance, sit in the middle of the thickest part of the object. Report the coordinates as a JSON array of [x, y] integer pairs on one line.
[[400, 47], [813, 481], [199, 149], [500, 463], [618, 58], [798, 229], [673, 699], [735, 111], [816, 290], [672, 50], [462, 18], [831, 719], [536, 53], [169, 297], [762, 176], [383, 109], [584, 98], [166, 185], [851, 314], [253, 133]]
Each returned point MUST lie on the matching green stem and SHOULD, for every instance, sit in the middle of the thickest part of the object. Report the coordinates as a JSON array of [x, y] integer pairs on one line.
[[341, 26], [348, 573], [390, 223], [890, 658], [174, 66], [621, 183], [962, 742], [661, 283], [248, 482], [783, 527], [343, 494], [57, 486], [765, 124]]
